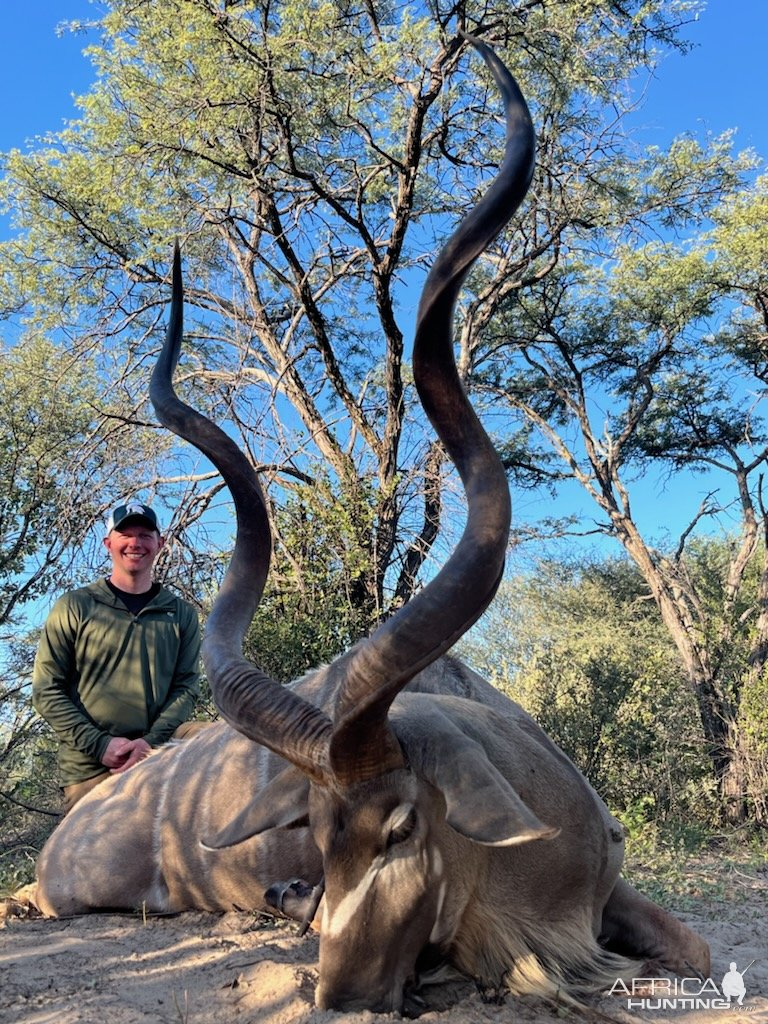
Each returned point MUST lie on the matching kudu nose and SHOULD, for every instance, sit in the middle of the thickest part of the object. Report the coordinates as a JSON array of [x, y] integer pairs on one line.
[[293, 898], [350, 1002]]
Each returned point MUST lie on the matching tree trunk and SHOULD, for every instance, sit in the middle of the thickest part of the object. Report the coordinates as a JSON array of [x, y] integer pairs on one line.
[[733, 787], [716, 714], [720, 733]]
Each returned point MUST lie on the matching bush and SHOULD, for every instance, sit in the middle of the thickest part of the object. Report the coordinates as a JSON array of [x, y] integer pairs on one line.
[[583, 651]]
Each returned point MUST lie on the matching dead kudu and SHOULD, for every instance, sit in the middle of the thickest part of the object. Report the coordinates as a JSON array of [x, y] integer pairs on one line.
[[446, 825]]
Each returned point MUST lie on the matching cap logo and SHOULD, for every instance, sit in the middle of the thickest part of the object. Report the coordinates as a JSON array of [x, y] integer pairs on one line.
[[131, 510]]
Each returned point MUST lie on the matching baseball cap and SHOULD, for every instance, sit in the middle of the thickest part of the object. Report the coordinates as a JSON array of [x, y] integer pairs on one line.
[[132, 512]]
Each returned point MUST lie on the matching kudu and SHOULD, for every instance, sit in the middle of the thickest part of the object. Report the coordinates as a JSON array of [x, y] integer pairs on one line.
[[446, 825]]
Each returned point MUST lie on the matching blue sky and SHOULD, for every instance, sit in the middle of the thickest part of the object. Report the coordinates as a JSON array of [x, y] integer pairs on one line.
[[39, 70], [722, 84]]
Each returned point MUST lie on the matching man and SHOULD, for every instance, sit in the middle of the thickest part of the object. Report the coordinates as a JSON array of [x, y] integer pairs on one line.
[[117, 667]]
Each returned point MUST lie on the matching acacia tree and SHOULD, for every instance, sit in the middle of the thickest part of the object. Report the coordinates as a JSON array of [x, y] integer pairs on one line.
[[54, 463], [309, 155], [70, 449], [657, 357]]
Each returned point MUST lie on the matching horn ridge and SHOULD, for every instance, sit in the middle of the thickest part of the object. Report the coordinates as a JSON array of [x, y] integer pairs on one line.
[[251, 701], [431, 622]]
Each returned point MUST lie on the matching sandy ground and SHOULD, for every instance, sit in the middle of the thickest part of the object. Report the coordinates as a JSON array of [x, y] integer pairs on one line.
[[209, 969]]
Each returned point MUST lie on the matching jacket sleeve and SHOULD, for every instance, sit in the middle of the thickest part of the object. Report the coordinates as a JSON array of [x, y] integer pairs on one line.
[[185, 685], [53, 683]]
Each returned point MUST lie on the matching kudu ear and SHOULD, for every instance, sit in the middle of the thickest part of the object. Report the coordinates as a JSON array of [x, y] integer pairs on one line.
[[480, 804], [282, 803]]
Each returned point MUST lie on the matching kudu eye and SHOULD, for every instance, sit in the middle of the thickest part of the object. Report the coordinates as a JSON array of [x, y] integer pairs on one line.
[[401, 825]]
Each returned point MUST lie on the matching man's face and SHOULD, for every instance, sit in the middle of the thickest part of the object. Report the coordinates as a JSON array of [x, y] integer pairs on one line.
[[133, 548]]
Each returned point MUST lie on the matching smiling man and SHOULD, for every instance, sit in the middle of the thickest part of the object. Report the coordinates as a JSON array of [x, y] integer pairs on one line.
[[117, 666]]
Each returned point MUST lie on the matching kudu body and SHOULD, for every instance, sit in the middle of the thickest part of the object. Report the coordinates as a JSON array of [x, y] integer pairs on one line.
[[135, 841], [445, 826]]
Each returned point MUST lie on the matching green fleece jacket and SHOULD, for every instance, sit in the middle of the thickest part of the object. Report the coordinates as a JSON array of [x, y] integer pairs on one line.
[[102, 671]]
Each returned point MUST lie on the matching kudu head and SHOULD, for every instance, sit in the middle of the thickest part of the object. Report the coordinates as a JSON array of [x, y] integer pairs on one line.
[[387, 788]]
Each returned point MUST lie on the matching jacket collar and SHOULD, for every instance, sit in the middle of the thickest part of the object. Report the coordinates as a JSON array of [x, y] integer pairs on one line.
[[99, 590]]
